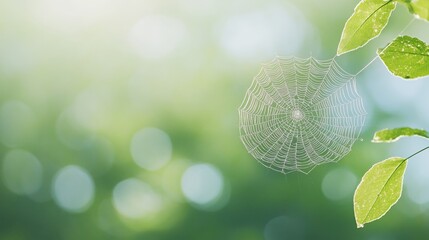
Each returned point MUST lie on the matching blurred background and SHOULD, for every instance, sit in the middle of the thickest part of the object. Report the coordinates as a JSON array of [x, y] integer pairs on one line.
[[118, 120]]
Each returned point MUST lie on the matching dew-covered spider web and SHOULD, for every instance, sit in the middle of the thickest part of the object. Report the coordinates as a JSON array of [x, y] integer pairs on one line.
[[300, 113]]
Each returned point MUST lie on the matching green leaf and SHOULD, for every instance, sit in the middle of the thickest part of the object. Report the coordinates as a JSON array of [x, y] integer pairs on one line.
[[393, 135], [406, 57], [420, 8], [379, 190], [366, 23]]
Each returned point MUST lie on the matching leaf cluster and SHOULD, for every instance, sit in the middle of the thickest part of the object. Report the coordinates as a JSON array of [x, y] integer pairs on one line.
[[406, 57]]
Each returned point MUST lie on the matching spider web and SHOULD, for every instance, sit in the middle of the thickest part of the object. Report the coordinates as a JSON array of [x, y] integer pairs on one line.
[[300, 113]]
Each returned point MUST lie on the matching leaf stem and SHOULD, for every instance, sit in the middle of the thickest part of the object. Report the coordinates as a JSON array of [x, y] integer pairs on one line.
[[421, 150]]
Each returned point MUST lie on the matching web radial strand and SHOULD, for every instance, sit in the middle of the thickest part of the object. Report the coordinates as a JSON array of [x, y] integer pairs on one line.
[[300, 113]]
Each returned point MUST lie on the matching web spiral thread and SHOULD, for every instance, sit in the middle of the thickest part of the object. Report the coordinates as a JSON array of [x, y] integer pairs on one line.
[[300, 113]]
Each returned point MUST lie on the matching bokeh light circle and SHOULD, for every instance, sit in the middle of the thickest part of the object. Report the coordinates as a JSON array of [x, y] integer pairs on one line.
[[339, 184], [151, 148], [133, 198], [202, 184], [73, 189], [22, 172]]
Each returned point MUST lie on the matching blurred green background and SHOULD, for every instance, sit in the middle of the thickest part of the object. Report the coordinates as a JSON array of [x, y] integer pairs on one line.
[[118, 120]]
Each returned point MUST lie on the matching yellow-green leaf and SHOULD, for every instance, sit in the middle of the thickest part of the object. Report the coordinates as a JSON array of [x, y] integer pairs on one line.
[[379, 190], [368, 20], [393, 135], [406, 57], [420, 8]]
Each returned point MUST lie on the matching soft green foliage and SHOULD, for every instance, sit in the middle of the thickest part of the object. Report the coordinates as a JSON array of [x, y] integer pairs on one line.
[[366, 23], [419, 7], [379, 190], [393, 135], [406, 57]]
